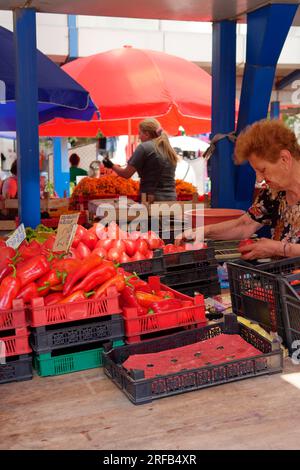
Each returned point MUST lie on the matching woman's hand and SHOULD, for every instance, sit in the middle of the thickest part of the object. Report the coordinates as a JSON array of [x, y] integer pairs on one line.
[[262, 248], [190, 235]]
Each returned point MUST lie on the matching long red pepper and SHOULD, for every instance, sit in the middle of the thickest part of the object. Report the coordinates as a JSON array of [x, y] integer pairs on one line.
[[145, 299], [129, 299], [166, 304], [86, 266], [32, 269], [31, 291], [52, 299], [77, 296], [117, 281], [95, 278], [9, 289]]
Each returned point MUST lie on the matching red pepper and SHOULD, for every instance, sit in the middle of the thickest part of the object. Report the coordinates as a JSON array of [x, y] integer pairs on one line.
[[165, 305], [117, 281], [145, 299], [164, 294], [31, 291], [5, 269], [50, 279], [52, 299], [86, 266], [95, 278], [138, 284], [128, 299], [7, 252], [29, 250], [32, 269], [9, 289], [77, 296]]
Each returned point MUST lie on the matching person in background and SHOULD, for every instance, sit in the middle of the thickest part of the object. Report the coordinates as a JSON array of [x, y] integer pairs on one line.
[[95, 169], [74, 169], [10, 185], [155, 161], [273, 152]]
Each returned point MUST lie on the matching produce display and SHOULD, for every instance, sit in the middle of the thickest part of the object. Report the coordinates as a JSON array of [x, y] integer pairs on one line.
[[112, 185], [85, 272]]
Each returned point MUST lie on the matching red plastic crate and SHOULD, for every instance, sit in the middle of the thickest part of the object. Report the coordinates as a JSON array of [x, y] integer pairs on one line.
[[136, 326], [16, 344], [14, 318], [41, 315]]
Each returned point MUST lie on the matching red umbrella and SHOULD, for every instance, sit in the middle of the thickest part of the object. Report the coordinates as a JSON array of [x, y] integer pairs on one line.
[[130, 84]]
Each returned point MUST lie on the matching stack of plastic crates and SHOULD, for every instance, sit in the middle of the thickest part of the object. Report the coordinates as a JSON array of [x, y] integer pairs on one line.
[[149, 326], [263, 293], [15, 357], [140, 388], [70, 337], [147, 267], [192, 271]]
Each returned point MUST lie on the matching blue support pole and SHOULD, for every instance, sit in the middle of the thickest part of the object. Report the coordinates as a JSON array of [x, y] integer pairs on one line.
[[223, 112], [73, 37], [27, 116], [267, 29], [61, 166], [275, 110]]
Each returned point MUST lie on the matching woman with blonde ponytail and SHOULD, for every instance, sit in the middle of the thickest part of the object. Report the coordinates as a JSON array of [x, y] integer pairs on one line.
[[154, 160]]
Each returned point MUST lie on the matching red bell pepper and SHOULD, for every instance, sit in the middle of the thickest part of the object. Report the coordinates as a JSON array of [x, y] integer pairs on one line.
[[129, 299], [145, 299], [95, 278], [117, 281], [29, 250], [32, 269], [9, 289], [52, 299], [86, 266]]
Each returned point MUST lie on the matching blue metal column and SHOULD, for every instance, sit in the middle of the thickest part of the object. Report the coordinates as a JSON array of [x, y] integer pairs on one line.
[[61, 166], [27, 116], [73, 37], [223, 112], [275, 110], [267, 29]]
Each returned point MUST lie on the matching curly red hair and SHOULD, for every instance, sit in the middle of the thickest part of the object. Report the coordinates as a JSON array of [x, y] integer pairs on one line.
[[265, 139]]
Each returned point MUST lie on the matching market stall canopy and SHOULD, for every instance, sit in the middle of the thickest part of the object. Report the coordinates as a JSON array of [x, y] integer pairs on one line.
[[130, 84], [188, 10], [58, 93]]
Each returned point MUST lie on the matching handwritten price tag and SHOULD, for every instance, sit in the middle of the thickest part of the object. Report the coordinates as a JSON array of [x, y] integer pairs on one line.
[[65, 232], [17, 237]]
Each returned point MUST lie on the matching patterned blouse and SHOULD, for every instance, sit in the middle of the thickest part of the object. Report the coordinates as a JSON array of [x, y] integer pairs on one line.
[[271, 208]]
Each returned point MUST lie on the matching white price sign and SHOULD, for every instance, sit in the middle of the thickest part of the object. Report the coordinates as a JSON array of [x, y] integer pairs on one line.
[[65, 232], [17, 237]]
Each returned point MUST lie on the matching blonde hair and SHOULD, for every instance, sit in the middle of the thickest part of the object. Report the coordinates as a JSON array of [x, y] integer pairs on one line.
[[160, 139], [265, 139]]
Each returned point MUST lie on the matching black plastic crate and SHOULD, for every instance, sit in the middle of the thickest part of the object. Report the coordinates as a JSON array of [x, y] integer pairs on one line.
[[182, 258], [208, 289], [153, 266], [192, 274], [16, 369], [46, 339], [290, 296], [140, 390], [255, 291]]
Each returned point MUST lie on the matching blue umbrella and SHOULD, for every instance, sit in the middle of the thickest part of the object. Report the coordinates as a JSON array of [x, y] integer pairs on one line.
[[59, 95]]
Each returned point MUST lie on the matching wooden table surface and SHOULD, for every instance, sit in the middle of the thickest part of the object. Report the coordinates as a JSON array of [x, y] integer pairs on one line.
[[85, 410]]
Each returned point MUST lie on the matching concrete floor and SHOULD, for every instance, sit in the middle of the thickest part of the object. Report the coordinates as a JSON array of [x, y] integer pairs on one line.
[[84, 410]]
